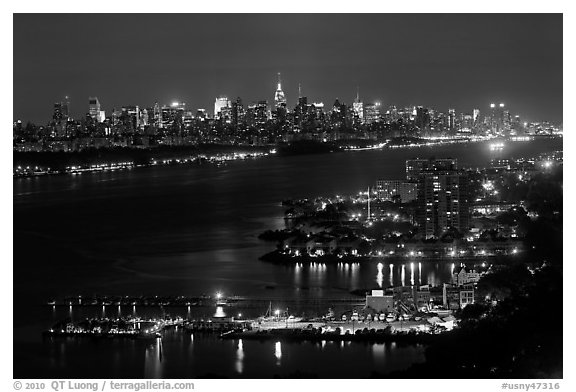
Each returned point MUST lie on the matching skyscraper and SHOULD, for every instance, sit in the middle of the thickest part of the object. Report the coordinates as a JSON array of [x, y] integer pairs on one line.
[[94, 109], [358, 106], [279, 97], [66, 108], [451, 119], [220, 104], [442, 196], [371, 112]]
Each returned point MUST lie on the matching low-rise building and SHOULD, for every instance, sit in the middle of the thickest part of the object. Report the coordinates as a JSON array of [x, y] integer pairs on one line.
[[380, 302], [457, 297]]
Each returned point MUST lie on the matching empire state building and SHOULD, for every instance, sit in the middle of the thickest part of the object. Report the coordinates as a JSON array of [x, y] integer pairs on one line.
[[279, 97]]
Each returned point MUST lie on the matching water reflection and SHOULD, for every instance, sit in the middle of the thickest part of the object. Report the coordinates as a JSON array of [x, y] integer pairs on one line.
[[378, 352], [391, 274], [403, 275], [240, 357], [219, 312], [380, 275], [153, 360], [412, 274], [278, 352], [420, 273]]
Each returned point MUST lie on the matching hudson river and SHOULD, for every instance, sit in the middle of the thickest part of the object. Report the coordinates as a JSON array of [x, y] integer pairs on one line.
[[192, 230]]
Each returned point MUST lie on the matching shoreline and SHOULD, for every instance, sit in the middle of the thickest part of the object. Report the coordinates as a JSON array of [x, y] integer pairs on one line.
[[223, 154]]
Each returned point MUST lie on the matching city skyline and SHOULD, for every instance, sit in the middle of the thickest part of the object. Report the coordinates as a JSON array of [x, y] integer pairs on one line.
[[517, 60]]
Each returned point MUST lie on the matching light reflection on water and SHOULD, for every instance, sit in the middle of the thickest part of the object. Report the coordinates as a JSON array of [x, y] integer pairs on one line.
[[380, 275], [199, 252], [369, 275], [153, 367], [240, 357], [278, 352]]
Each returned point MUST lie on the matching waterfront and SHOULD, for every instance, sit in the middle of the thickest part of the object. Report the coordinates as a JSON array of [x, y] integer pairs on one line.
[[192, 231]]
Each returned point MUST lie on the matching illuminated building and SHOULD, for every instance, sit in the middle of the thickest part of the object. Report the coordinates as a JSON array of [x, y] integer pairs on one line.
[[172, 115], [157, 113], [94, 110], [371, 113], [422, 118], [279, 97], [221, 103], [415, 166], [257, 115], [467, 123], [358, 107], [391, 190], [57, 116], [476, 116], [442, 196], [131, 117], [238, 114], [66, 108], [451, 119], [497, 117]]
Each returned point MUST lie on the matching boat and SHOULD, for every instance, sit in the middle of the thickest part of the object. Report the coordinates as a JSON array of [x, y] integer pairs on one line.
[[391, 317], [292, 319], [382, 317]]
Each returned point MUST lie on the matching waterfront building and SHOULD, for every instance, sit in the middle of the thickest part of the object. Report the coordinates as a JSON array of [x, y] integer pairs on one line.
[[476, 116], [451, 120], [380, 302], [422, 118], [391, 190], [464, 276], [457, 297]]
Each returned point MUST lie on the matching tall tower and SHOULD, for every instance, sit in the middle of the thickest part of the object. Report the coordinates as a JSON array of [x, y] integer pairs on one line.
[[279, 97], [358, 106], [94, 107], [66, 108]]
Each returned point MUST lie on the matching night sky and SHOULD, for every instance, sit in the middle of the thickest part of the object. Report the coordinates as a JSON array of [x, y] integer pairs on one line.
[[436, 60]]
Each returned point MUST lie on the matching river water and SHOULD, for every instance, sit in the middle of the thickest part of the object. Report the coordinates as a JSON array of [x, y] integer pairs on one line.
[[192, 230]]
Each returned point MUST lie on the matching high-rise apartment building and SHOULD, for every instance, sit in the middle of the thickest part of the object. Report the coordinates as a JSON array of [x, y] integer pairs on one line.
[[442, 196]]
